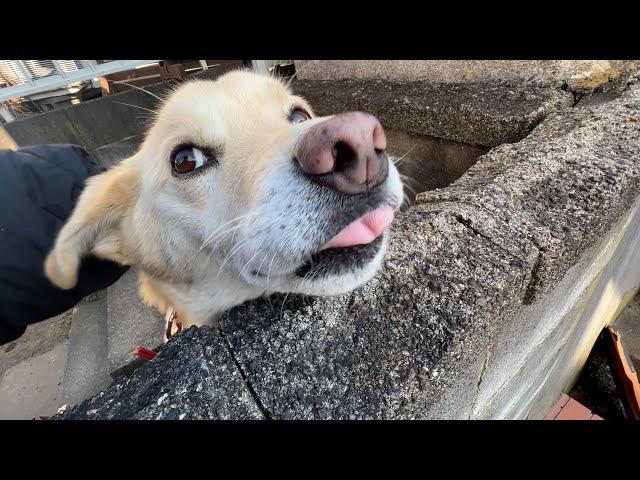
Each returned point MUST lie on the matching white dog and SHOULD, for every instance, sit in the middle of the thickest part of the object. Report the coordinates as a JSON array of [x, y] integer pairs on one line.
[[237, 191]]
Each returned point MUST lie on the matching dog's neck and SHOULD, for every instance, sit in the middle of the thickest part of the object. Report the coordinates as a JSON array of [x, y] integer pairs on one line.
[[197, 303]]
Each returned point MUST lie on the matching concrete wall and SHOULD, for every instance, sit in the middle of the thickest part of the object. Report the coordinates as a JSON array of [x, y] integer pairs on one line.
[[577, 74], [537, 352], [569, 320], [99, 125]]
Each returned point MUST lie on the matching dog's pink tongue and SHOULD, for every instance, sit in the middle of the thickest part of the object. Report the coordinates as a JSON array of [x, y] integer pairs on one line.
[[363, 230]]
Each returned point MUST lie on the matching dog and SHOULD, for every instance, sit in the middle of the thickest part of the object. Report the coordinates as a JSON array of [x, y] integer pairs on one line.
[[238, 191]]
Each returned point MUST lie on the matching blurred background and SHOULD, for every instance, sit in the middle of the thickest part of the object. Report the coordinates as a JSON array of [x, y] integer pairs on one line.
[[28, 87]]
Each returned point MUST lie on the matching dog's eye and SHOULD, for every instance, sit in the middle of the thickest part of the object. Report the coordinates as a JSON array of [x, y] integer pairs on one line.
[[299, 115], [187, 159]]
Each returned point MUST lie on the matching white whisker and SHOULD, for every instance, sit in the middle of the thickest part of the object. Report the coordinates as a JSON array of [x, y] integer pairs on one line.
[[230, 254], [254, 255], [137, 106], [209, 239], [269, 271], [136, 87], [398, 161]]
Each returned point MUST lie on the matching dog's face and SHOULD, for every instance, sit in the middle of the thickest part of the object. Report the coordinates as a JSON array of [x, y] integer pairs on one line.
[[237, 186]]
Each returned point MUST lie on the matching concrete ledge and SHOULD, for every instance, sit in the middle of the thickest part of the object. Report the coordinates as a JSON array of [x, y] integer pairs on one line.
[[490, 287], [577, 75], [476, 114], [208, 386], [91, 124], [563, 186], [529, 354]]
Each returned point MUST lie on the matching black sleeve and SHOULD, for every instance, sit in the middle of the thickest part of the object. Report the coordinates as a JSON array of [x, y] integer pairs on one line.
[[39, 187]]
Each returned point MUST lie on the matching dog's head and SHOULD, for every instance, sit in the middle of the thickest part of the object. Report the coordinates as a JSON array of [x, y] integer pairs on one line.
[[237, 179]]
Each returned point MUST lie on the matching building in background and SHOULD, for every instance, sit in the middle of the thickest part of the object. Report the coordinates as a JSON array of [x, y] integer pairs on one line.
[[29, 87]]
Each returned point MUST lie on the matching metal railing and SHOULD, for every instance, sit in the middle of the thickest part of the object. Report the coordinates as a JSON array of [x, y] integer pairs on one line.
[[29, 77], [24, 78]]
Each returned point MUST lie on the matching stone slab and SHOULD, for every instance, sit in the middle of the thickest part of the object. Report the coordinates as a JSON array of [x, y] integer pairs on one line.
[[193, 377], [581, 75], [484, 115], [130, 322], [86, 371]]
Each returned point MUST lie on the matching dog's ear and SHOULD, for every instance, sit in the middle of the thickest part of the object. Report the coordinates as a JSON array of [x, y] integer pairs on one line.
[[93, 228]]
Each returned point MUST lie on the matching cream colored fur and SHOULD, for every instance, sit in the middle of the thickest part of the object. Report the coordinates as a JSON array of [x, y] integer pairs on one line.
[[190, 238]]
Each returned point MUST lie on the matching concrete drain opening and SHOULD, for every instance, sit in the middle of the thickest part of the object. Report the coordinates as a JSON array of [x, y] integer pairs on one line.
[[426, 163]]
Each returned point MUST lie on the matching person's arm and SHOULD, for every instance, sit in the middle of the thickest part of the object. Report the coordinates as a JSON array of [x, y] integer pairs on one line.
[[39, 187]]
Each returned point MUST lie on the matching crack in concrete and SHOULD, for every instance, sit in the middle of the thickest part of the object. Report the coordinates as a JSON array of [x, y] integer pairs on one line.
[[530, 288], [576, 95], [608, 91], [265, 412], [480, 378], [534, 280], [467, 224]]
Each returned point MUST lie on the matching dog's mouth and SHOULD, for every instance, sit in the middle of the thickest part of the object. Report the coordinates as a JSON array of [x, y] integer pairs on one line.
[[363, 230], [349, 249], [336, 261], [352, 247]]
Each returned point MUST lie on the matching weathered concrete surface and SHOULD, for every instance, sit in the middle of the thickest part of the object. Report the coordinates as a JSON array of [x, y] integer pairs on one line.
[[37, 339], [205, 384], [468, 266], [470, 256], [563, 185], [559, 328], [32, 388], [110, 154], [578, 75], [130, 322], [6, 142], [375, 353], [477, 114], [31, 368], [86, 371], [91, 124]]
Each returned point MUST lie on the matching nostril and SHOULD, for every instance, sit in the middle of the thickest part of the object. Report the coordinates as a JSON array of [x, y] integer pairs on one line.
[[379, 138], [345, 157]]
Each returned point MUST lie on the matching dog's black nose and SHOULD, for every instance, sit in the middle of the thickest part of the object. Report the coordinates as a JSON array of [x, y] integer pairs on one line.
[[345, 152]]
